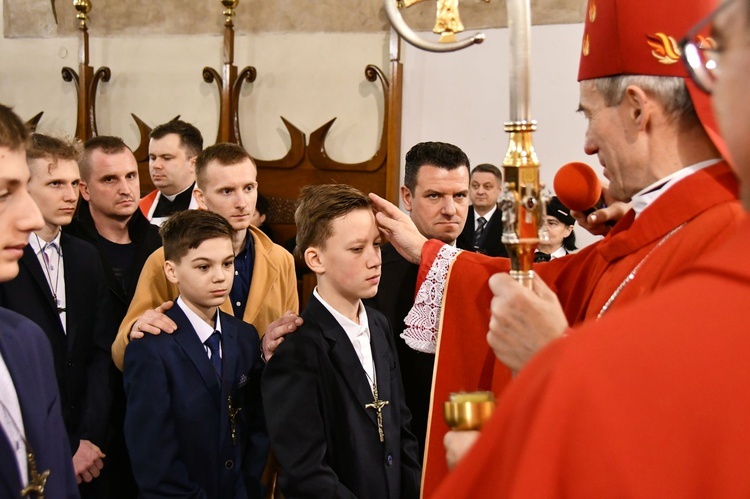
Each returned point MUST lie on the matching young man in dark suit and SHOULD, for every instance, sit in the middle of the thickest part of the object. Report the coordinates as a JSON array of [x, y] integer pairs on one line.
[[333, 394], [61, 286], [483, 231], [194, 421], [30, 418]]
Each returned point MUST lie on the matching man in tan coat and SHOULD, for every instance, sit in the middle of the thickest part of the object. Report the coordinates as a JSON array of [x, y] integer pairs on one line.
[[265, 285]]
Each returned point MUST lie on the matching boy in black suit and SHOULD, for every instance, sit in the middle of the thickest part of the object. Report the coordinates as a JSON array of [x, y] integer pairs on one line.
[[332, 391], [31, 424], [62, 287], [194, 421]]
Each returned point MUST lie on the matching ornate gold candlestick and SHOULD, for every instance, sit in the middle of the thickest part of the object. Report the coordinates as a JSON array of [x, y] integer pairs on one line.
[[522, 202], [86, 80], [229, 82]]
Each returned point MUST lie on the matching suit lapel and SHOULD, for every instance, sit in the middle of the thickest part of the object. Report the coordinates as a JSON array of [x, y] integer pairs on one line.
[[381, 359], [73, 300], [230, 354], [188, 340], [467, 234], [265, 275], [8, 470], [32, 420], [9, 477], [343, 356], [493, 229], [229, 364], [31, 262]]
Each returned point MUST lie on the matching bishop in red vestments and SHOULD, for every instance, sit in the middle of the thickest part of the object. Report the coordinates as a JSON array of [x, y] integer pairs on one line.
[[650, 400], [666, 161]]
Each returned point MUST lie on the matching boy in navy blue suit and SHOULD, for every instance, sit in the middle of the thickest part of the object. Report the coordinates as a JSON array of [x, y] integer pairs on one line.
[[333, 394], [194, 421]]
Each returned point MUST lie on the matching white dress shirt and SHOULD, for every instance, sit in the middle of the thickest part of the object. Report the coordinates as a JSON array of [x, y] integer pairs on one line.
[[358, 334], [486, 217], [558, 253], [645, 197], [53, 269], [201, 327]]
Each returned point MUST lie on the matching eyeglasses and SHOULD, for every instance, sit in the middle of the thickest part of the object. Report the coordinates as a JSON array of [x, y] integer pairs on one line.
[[700, 53]]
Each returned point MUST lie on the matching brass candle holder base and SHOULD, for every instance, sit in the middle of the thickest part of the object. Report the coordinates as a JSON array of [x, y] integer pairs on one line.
[[468, 410]]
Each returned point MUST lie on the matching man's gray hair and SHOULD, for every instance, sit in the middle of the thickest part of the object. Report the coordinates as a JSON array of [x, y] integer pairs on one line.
[[670, 91]]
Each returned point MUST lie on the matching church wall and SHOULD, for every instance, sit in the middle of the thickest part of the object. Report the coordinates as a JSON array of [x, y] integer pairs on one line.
[[308, 78]]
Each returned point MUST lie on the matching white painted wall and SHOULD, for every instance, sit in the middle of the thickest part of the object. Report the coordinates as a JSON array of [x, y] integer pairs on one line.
[[309, 78], [463, 98]]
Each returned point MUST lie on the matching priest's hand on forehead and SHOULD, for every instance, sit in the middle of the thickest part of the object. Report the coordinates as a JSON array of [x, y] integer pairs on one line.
[[399, 229]]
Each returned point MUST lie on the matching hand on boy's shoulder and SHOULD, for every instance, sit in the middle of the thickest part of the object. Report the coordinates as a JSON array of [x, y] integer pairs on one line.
[[153, 322], [276, 331]]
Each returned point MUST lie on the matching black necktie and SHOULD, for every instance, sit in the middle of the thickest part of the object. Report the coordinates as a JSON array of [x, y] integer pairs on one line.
[[540, 256], [213, 343], [481, 222]]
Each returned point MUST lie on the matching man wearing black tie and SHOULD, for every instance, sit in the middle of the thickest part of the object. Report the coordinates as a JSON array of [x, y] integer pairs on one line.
[[484, 235]]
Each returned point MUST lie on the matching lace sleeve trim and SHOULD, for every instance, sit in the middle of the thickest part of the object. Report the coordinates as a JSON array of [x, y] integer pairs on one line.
[[423, 320]]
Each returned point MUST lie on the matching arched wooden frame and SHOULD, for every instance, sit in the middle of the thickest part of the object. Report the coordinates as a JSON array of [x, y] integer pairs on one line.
[[304, 163]]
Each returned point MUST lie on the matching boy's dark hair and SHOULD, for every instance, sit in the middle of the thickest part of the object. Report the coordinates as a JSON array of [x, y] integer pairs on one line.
[[318, 206], [186, 230], [13, 132], [488, 168], [438, 154], [105, 143], [190, 137], [53, 148], [225, 154]]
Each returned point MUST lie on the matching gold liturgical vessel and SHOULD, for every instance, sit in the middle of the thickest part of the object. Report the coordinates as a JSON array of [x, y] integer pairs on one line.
[[468, 410]]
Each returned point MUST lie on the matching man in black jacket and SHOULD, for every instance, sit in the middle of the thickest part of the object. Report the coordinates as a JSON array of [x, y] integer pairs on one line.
[[436, 195], [108, 217], [484, 224]]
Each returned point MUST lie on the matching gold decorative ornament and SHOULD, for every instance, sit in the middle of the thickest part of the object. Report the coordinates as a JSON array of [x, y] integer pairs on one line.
[[665, 48], [586, 45], [229, 6], [83, 7], [447, 24], [447, 19], [522, 203]]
